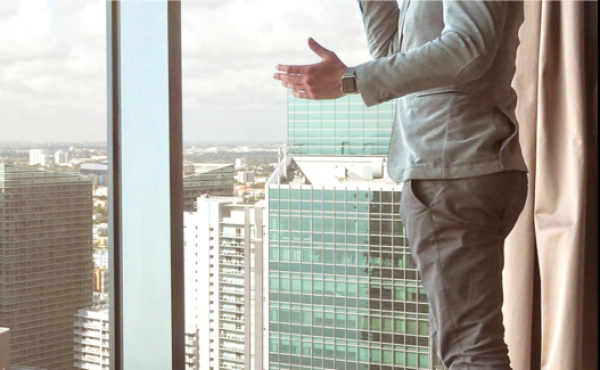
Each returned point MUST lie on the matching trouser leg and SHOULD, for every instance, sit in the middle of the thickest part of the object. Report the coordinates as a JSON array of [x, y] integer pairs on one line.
[[456, 230]]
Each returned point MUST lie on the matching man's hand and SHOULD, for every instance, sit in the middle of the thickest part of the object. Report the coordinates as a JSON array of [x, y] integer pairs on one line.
[[319, 81]]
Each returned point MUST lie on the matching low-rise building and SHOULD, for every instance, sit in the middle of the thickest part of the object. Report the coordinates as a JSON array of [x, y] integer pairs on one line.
[[98, 173], [246, 176]]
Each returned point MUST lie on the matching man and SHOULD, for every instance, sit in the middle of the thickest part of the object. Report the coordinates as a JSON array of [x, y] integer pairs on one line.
[[456, 147]]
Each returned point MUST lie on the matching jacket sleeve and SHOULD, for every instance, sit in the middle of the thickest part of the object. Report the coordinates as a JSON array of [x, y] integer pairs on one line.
[[381, 20], [464, 52]]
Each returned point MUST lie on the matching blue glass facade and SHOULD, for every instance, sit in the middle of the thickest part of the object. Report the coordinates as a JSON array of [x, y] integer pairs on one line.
[[344, 291], [339, 127]]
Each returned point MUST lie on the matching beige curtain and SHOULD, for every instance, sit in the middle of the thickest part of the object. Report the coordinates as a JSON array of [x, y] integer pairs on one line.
[[548, 278]]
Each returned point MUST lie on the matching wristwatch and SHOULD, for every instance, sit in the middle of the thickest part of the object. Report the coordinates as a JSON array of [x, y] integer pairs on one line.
[[349, 86]]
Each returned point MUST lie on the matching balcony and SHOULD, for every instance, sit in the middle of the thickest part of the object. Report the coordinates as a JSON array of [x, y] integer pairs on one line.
[[233, 327], [237, 309], [231, 271], [233, 318], [238, 282]]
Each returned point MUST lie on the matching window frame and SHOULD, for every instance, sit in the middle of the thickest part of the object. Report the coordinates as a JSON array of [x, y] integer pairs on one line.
[[127, 22]]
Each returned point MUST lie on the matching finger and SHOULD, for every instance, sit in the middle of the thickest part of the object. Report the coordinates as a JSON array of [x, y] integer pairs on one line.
[[295, 87], [288, 78], [318, 49], [294, 70], [302, 95]]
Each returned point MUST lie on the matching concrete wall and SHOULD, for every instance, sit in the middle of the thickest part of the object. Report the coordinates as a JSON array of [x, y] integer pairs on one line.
[[4, 349]]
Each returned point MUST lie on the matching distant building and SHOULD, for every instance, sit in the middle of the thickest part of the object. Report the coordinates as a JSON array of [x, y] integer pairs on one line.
[[92, 347], [100, 259], [45, 260], [35, 156], [246, 176], [62, 158], [208, 179], [101, 280], [46, 160], [223, 249], [92, 339], [240, 163], [98, 173]]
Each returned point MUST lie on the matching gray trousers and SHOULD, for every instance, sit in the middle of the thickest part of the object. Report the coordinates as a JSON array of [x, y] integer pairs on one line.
[[456, 230]]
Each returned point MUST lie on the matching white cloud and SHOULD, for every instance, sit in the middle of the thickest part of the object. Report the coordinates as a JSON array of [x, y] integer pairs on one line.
[[52, 70], [53, 64], [230, 51]]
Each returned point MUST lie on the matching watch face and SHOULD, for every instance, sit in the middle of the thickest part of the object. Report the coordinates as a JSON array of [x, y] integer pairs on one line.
[[349, 85]]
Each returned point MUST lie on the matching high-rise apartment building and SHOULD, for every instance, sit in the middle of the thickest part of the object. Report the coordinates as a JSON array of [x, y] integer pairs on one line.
[[45, 262], [192, 350], [5, 353], [92, 346], [207, 179], [92, 339], [223, 269], [343, 290], [4, 349]]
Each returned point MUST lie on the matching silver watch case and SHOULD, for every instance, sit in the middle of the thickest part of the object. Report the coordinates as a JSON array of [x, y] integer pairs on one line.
[[349, 85]]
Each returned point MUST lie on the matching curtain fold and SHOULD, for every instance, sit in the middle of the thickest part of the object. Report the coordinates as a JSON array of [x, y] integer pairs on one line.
[[553, 83]]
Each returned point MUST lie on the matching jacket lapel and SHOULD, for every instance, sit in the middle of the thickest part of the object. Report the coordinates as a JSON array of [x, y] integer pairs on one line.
[[405, 5]]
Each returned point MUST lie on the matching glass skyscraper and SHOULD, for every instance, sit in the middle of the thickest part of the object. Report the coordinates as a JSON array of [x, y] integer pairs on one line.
[[343, 290], [339, 127]]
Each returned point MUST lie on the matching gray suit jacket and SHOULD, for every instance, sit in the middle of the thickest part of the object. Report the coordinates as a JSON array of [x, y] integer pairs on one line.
[[451, 64]]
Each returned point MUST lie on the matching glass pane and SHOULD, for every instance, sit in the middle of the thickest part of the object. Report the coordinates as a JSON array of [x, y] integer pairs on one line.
[[54, 205], [319, 233]]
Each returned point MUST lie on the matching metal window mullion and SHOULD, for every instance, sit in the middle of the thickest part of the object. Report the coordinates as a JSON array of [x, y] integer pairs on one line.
[[138, 85]]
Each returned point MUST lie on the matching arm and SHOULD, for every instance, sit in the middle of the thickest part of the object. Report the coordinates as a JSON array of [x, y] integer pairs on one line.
[[381, 20], [464, 52]]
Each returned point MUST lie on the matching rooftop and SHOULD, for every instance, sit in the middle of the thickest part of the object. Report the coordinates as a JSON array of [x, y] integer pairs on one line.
[[94, 167], [339, 172], [95, 312], [18, 176]]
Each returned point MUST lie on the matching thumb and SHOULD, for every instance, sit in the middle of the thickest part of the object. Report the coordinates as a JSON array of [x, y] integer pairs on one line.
[[318, 49]]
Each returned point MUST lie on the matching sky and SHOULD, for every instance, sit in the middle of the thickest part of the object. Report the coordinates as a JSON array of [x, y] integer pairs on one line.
[[53, 65]]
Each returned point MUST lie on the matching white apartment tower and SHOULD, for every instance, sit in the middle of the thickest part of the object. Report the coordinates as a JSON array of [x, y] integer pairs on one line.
[[35, 156], [92, 351], [91, 339], [223, 253], [62, 157]]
